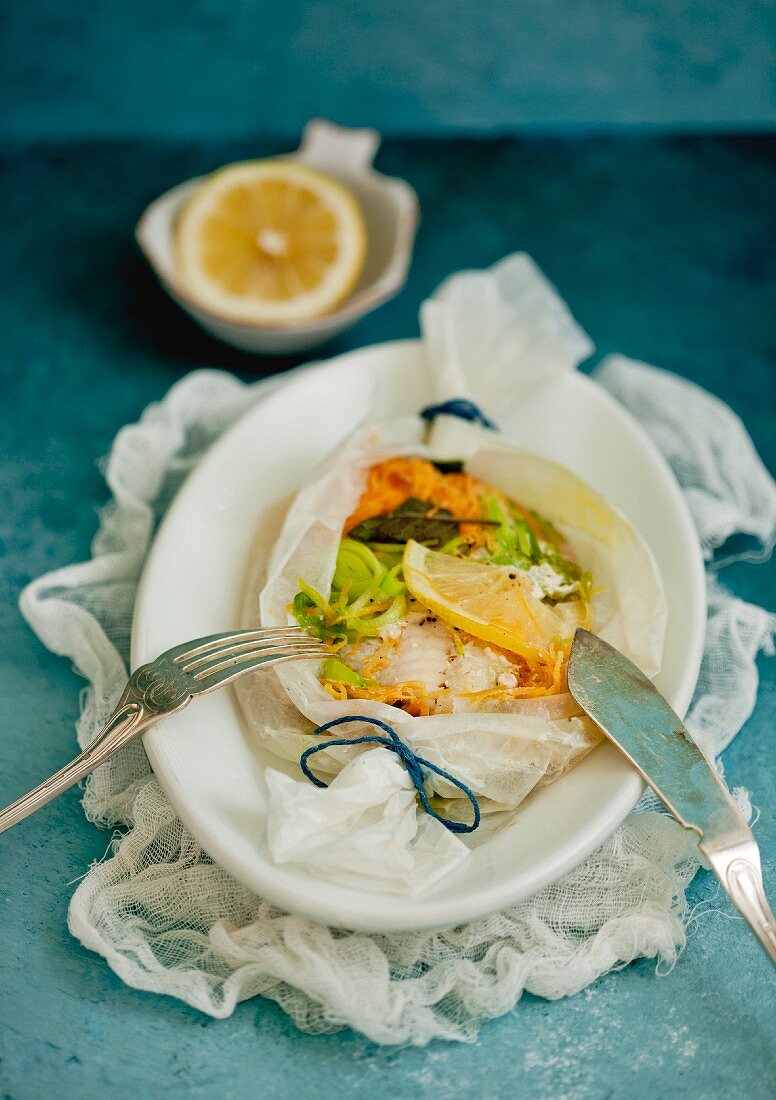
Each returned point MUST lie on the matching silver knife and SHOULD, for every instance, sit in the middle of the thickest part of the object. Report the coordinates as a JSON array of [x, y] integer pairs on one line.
[[635, 716]]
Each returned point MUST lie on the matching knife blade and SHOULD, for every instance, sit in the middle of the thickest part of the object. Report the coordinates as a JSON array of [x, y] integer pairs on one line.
[[633, 714]]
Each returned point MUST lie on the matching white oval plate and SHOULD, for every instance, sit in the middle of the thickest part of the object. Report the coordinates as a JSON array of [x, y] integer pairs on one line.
[[193, 584]]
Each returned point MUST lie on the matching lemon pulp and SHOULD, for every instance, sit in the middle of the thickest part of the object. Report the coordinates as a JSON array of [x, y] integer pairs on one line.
[[493, 603], [271, 242]]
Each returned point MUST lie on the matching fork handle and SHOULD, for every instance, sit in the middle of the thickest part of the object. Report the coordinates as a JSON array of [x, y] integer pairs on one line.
[[128, 720]]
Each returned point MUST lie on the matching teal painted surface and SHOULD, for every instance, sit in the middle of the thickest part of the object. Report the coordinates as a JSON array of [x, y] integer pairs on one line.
[[239, 68], [662, 249]]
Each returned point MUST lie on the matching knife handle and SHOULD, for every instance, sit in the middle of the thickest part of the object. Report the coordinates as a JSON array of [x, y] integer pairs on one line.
[[737, 866]]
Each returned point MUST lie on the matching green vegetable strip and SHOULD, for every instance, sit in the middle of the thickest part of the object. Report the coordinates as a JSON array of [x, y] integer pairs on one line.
[[334, 669], [516, 544], [366, 596]]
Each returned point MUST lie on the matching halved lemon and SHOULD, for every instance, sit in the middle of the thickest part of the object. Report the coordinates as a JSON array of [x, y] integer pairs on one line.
[[490, 602], [271, 242]]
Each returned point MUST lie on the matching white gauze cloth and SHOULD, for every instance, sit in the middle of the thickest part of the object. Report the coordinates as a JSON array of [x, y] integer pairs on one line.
[[167, 919]]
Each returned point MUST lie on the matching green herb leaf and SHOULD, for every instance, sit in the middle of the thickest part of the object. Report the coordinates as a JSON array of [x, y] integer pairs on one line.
[[410, 520], [449, 466]]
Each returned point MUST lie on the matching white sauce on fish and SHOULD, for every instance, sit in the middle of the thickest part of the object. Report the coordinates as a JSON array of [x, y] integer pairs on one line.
[[547, 581]]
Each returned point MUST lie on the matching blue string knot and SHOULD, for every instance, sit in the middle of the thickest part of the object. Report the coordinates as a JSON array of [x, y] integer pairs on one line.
[[414, 765], [460, 407]]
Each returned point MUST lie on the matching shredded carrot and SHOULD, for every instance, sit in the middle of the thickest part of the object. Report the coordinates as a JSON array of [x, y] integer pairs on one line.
[[379, 659], [534, 681]]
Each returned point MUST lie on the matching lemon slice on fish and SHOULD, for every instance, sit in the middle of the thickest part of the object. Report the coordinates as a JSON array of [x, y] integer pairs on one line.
[[490, 602], [271, 242]]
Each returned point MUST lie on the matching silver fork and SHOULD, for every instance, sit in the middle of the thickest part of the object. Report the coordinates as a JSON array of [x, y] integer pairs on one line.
[[164, 687]]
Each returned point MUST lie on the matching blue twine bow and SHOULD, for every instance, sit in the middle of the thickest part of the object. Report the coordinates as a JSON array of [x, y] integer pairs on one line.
[[414, 765], [461, 407]]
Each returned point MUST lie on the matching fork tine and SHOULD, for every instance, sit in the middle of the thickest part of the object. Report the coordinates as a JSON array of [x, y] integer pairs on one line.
[[226, 659], [215, 641], [193, 648], [219, 653], [209, 680]]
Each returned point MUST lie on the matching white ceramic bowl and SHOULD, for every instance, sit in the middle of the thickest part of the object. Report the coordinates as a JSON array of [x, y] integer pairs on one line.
[[193, 584], [390, 208]]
